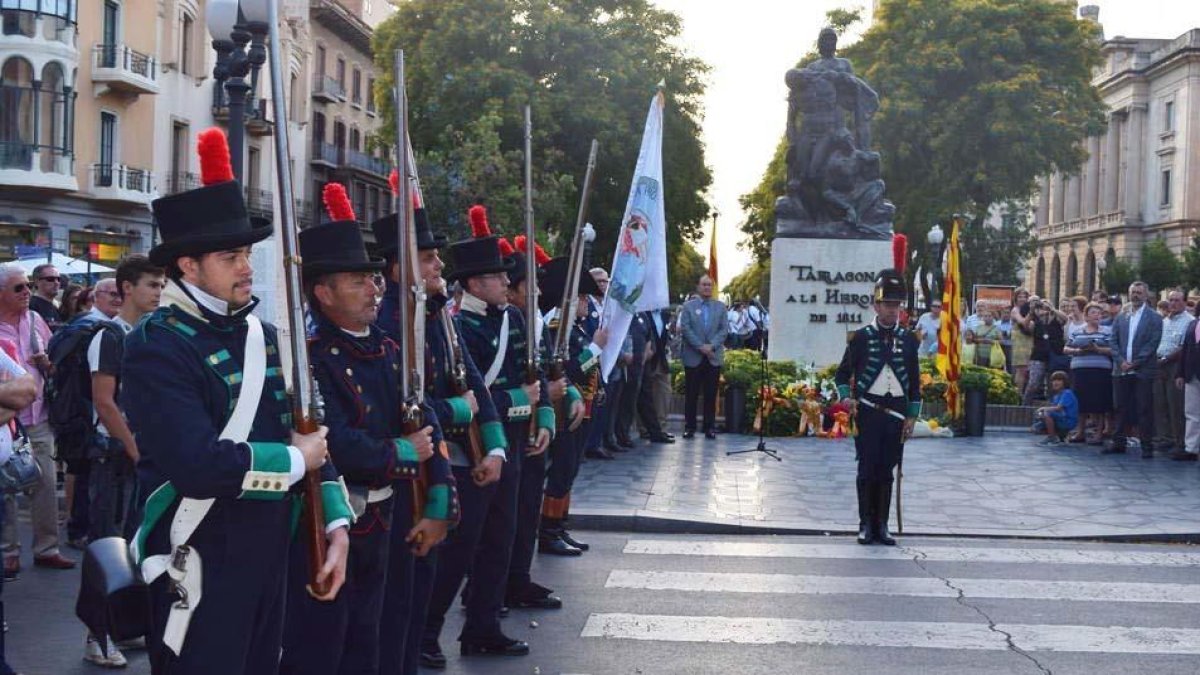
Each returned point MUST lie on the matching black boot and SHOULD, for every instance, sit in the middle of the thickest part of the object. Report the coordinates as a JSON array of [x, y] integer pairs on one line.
[[883, 504], [865, 533]]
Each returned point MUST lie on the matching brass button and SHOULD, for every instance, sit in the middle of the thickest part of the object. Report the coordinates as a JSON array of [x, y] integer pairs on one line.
[[254, 484]]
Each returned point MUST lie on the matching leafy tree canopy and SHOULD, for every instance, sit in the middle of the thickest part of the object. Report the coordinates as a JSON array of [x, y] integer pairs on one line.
[[1160, 269], [978, 99], [587, 68]]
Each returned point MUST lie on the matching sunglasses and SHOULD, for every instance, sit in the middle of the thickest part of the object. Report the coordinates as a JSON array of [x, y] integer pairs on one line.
[[21, 288]]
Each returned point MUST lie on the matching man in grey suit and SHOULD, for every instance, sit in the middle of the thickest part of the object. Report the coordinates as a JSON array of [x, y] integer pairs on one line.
[[704, 324], [1135, 337]]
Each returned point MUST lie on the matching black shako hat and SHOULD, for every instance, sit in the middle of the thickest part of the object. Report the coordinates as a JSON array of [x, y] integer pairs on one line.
[[335, 247], [386, 230], [554, 282], [890, 287], [209, 218], [518, 251], [481, 253]]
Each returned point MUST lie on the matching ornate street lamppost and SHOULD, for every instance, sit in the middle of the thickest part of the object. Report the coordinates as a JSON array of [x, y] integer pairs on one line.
[[233, 26], [936, 239], [1101, 265]]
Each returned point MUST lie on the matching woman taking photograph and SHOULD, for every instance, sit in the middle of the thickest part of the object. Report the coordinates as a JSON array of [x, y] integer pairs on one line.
[[1091, 375], [1022, 338]]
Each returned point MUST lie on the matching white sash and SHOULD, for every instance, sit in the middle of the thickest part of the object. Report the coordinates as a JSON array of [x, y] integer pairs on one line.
[[492, 373], [183, 563]]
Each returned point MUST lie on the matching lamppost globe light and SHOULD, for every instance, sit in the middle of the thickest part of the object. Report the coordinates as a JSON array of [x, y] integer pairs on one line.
[[221, 17], [589, 233], [935, 236], [256, 11], [1021, 274], [1101, 264]]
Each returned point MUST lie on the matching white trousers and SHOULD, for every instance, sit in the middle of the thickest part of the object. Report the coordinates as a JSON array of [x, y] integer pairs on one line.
[[1191, 414]]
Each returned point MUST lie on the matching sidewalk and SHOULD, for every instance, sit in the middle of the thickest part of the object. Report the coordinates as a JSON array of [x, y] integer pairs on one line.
[[1000, 485]]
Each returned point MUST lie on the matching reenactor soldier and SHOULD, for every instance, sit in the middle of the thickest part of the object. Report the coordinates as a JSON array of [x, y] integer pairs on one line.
[[494, 335], [879, 381], [446, 359], [205, 397], [582, 364], [356, 367]]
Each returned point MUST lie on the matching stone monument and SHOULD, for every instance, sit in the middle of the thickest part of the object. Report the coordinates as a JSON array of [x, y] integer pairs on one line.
[[833, 226]]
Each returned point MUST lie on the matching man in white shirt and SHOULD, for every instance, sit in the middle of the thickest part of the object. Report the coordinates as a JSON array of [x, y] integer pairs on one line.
[[927, 329], [1168, 399]]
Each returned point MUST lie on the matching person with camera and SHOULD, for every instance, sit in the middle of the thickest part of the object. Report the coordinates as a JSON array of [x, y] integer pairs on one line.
[[1091, 372], [1046, 325]]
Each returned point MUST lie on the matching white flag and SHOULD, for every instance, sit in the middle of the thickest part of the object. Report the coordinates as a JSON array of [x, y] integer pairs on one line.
[[638, 281]]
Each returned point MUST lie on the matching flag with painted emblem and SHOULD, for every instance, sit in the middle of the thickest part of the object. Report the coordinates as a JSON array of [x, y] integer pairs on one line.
[[712, 256], [638, 280], [949, 356]]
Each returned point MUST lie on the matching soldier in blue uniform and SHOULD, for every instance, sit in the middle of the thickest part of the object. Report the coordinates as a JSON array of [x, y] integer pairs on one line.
[[220, 488], [566, 451], [494, 335], [356, 367], [879, 380], [406, 603], [522, 591]]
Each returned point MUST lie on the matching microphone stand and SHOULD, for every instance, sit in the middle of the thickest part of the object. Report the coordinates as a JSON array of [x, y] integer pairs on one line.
[[762, 383]]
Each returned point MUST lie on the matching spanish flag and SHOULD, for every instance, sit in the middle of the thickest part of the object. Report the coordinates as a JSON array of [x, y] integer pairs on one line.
[[712, 256], [949, 356]]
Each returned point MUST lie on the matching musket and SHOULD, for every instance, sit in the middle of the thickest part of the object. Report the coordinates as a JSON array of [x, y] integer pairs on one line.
[[533, 355], [461, 386], [412, 289], [569, 304], [306, 400]]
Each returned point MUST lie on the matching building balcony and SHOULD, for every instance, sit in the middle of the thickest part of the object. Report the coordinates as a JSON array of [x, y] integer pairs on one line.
[[120, 183], [24, 165], [40, 29], [1102, 221], [336, 157], [367, 164], [119, 68], [258, 118], [328, 90], [260, 204]]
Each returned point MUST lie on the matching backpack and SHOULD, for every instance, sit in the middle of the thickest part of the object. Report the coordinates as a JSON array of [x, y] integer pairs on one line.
[[69, 387]]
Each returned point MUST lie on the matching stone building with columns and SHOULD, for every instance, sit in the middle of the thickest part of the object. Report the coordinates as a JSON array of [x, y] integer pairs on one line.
[[1141, 180]]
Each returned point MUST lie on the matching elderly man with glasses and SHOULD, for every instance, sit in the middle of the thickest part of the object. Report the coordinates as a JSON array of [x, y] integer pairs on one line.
[[29, 332], [46, 285]]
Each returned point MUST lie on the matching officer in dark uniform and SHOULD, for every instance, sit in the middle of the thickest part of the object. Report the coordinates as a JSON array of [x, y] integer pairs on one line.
[[405, 604], [494, 335], [185, 369], [879, 380], [357, 370]]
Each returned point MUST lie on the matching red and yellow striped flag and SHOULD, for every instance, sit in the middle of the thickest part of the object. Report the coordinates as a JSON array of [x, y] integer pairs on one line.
[[949, 356], [712, 256]]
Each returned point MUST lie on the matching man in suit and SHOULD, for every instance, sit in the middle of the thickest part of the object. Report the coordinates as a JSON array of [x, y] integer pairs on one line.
[[656, 376], [704, 325], [1135, 338], [1188, 379]]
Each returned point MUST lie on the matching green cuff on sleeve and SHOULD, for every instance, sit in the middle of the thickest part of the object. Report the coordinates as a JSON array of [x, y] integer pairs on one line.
[[407, 463], [270, 472], [336, 500], [545, 419], [587, 359], [461, 411], [493, 437], [520, 410], [437, 502], [573, 395], [914, 409], [843, 391]]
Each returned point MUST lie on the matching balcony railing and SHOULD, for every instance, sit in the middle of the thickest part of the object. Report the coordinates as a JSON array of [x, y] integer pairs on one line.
[[327, 153], [335, 156], [38, 166], [328, 89], [181, 181], [122, 183], [125, 69], [260, 203]]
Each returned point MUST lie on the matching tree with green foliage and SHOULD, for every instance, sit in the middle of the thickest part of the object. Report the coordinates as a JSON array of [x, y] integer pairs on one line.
[[587, 68], [753, 282], [1160, 268], [1118, 274], [978, 98], [1190, 269]]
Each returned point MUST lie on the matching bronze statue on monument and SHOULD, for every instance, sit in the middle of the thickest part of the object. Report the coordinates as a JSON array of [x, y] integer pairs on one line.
[[834, 189]]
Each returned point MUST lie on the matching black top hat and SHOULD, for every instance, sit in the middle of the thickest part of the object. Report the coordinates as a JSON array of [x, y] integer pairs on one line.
[[475, 256], [386, 231], [335, 247], [554, 281], [890, 287]]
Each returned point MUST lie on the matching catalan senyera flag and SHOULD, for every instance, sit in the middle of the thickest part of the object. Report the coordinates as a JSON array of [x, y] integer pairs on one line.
[[712, 256], [949, 356]]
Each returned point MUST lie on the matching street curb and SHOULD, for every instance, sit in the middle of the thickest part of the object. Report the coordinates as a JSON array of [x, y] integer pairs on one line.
[[631, 521]]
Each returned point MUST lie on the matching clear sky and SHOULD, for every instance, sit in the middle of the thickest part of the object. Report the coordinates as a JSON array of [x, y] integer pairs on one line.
[[750, 44]]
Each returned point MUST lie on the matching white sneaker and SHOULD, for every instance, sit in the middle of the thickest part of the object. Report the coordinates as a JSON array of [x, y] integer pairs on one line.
[[93, 653]]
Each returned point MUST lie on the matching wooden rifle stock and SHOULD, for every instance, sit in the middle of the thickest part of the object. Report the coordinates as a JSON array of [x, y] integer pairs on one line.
[[314, 517], [556, 371], [475, 447], [411, 424]]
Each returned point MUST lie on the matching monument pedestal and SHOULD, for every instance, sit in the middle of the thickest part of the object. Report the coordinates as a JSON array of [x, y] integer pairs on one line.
[[820, 291]]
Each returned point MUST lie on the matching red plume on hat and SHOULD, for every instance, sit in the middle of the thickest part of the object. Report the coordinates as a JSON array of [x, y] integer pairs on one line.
[[337, 202], [394, 181], [215, 164], [506, 249], [899, 252], [539, 254], [479, 221]]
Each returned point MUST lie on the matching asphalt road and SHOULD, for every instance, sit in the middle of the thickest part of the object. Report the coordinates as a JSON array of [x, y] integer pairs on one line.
[[693, 604]]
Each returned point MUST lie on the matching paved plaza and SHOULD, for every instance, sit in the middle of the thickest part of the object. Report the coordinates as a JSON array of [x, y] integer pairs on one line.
[[1001, 485]]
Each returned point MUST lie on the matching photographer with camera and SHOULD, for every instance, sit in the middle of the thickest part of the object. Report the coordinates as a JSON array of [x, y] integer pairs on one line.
[[1091, 372], [1046, 324]]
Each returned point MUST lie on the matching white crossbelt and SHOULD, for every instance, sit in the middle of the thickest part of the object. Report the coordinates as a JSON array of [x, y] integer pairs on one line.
[[501, 349], [379, 495], [183, 563]]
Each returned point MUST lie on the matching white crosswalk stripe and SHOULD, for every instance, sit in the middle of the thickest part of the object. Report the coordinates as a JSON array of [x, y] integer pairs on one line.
[[1041, 556], [933, 635], [795, 584], [964, 574]]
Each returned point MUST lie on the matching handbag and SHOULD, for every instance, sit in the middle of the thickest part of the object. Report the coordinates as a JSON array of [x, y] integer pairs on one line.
[[997, 356], [21, 472]]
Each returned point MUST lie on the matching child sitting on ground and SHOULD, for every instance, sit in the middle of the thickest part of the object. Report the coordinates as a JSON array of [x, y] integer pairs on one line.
[[1060, 417]]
